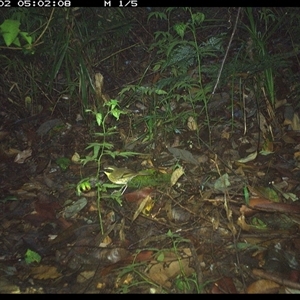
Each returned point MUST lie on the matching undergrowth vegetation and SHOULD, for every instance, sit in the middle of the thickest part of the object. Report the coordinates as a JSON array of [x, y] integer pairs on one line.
[[151, 60], [156, 70], [57, 54]]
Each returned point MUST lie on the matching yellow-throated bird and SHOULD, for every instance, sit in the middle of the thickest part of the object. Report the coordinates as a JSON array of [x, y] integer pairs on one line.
[[119, 175]]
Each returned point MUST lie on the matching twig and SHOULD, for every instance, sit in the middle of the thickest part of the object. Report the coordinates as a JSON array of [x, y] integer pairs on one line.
[[285, 282], [226, 54]]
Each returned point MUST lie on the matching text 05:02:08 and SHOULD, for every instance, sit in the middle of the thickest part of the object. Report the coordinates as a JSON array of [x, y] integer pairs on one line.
[[44, 3]]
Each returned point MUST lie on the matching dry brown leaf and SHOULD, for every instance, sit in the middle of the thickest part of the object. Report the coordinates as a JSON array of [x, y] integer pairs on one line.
[[84, 276], [22, 156], [242, 223], [263, 204], [176, 175], [263, 286], [45, 272], [75, 158], [99, 84], [144, 207], [138, 195], [192, 124], [162, 273], [263, 125], [224, 285], [225, 135], [295, 122]]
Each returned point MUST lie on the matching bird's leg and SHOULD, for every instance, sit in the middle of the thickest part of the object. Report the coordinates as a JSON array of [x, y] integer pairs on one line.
[[123, 189]]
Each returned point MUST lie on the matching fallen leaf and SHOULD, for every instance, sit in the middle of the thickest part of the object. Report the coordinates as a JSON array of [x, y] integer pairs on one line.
[[192, 124], [222, 183], [224, 285], [184, 155], [164, 272], [22, 156], [269, 206], [45, 272], [145, 207], [176, 175], [84, 276], [250, 157], [263, 286], [73, 209], [138, 195], [75, 158], [295, 122]]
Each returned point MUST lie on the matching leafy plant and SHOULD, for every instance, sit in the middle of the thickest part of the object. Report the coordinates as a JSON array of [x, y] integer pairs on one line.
[[101, 149], [165, 259], [257, 45], [64, 46], [182, 282], [179, 51]]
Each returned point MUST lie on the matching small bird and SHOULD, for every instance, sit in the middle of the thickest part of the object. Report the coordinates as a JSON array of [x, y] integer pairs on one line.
[[119, 175]]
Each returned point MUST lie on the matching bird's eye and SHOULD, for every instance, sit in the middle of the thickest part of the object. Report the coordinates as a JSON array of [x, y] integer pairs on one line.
[[108, 170]]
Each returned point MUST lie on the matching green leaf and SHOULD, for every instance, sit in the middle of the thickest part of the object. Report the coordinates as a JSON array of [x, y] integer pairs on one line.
[[99, 118], [17, 42], [31, 256], [268, 193], [63, 163], [117, 112], [198, 18], [113, 103], [258, 223], [158, 15], [26, 37], [180, 29], [246, 195], [125, 154], [160, 257], [10, 30]]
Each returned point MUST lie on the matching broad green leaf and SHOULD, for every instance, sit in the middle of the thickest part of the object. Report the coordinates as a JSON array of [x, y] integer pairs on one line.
[[31, 256], [180, 29], [17, 42], [117, 112], [10, 30], [198, 18]]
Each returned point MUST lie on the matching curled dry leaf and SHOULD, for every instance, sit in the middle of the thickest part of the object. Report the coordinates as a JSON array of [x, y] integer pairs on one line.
[[22, 156], [75, 158], [192, 124], [176, 175], [145, 207]]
